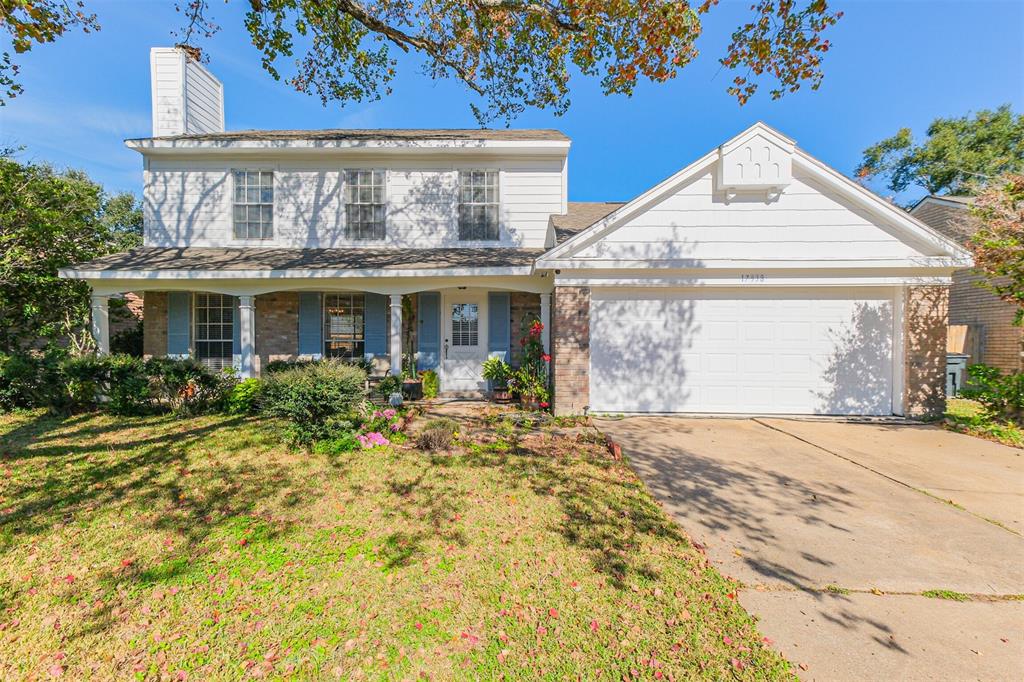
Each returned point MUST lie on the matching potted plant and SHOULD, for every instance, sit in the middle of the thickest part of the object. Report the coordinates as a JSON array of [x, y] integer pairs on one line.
[[530, 381], [497, 373], [412, 386], [391, 388]]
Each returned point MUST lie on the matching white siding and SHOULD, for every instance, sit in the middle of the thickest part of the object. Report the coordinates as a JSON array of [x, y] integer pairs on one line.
[[806, 222], [188, 202], [204, 100], [186, 97]]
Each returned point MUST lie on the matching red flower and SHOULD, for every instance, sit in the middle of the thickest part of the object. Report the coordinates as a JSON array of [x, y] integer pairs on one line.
[[545, 405], [546, 357]]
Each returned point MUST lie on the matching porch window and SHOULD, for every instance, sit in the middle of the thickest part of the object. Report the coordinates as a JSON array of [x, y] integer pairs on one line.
[[364, 204], [344, 328], [478, 205], [465, 324], [214, 330], [254, 204]]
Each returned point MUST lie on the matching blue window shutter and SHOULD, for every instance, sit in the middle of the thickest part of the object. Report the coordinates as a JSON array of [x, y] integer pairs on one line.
[[179, 322], [310, 328], [376, 325], [498, 324], [428, 335]]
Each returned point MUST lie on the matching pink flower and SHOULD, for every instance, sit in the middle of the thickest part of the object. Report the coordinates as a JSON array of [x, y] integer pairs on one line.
[[396, 427], [546, 357], [389, 413], [372, 439]]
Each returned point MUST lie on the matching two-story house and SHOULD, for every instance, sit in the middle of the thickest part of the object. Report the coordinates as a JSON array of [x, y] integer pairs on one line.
[[755, 280]]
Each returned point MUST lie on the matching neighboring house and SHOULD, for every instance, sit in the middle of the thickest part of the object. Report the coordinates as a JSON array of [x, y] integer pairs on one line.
[[991, 338], [755, 280]]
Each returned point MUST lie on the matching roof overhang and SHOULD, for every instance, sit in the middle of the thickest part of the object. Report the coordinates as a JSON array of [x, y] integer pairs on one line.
[[172, 146], [319, 273]]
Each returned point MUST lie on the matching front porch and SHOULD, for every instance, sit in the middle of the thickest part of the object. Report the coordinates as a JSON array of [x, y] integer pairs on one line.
[[447, 329]]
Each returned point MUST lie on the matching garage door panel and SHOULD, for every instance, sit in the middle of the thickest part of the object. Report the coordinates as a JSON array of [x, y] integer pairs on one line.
[[769, 351]]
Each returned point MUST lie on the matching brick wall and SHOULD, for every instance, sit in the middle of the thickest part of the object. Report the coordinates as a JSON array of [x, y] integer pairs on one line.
[[925, 316], [154, 324], [522, 306], [570, 339], [277, 328], [990, 320]]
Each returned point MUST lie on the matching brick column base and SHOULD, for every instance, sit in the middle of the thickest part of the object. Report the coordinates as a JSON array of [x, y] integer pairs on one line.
[[925, 316], [570, 343]]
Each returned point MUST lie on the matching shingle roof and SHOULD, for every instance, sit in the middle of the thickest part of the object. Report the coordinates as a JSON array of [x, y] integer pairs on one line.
[[366, 134], [208, 258], [953, 222], [580, 216]]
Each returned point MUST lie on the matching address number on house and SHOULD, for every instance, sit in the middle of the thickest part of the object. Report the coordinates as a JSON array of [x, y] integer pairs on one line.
[[754, 278]]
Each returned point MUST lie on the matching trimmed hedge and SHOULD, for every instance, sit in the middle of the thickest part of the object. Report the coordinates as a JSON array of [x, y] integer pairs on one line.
[[318, 399]]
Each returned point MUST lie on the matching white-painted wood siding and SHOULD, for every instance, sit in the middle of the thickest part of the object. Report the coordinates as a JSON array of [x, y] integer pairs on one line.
[[807, 222], [189, 202], [186, 98]]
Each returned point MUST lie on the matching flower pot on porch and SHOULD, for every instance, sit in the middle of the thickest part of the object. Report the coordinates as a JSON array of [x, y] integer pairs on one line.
[[412, 389]]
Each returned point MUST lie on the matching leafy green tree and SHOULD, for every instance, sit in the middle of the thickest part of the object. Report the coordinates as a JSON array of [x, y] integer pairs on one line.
[[49, 220], [998, 244], [958, 155], [513, 54]]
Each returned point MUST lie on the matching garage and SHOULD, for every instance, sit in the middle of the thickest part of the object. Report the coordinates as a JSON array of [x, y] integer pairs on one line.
[[736, 350]]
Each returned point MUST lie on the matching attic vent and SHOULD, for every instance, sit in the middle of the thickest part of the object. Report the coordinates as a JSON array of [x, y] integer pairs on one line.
[[759, 160]]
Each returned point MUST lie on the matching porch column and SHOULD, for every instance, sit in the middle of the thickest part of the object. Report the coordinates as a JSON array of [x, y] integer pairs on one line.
[[101, 324], [545, 319], [246, 332], [396, 334]]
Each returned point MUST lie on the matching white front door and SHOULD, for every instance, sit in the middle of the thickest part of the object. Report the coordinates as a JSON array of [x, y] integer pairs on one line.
[[464, 342]]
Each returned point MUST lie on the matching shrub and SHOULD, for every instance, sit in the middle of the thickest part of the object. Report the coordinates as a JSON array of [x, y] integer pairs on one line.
[[313, 398], [188, 386], [244, 397], [389, 384], [128, 389], [346, 442], [33, 379], [85, 379], [280, 365], [437, 434], [1002, 395], [431, 383]]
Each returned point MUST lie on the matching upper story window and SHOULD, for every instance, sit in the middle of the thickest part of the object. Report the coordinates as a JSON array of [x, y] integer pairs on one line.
[[478, 205], [364, 204], [254, 204]]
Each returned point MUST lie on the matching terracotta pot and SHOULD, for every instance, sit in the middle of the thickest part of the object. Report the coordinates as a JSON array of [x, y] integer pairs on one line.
[[501, 395]]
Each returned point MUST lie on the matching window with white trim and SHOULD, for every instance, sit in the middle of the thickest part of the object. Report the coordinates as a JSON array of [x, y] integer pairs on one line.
[[364, 204], [254, 204], [478, 205], [465, 324], [214, 329], [344, 325]]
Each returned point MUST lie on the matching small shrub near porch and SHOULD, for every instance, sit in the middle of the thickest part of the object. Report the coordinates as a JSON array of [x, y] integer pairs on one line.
[[319, 400]]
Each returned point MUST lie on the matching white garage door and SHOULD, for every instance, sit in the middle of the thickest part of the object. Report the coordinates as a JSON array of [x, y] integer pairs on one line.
[[770, 351]]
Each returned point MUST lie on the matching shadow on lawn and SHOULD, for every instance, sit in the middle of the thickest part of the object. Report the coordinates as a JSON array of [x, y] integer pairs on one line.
[[607, 514], [189, 478]]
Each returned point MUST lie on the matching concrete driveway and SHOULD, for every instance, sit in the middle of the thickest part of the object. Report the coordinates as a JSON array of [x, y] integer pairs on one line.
[[819, 517]]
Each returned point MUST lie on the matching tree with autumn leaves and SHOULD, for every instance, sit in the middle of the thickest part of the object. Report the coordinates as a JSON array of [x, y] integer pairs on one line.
[[512, 54]]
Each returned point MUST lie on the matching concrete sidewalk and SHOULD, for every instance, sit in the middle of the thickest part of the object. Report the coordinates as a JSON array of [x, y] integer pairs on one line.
[[789, 508]]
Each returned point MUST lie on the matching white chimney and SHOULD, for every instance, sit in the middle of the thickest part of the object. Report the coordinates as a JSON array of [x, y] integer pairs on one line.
[[187, 98]]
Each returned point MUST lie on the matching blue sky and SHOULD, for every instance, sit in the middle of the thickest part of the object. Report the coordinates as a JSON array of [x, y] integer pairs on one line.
[[894, 64]]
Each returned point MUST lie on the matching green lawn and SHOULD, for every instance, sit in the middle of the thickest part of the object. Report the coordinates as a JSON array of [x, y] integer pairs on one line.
[[967, 416], [201, 548]]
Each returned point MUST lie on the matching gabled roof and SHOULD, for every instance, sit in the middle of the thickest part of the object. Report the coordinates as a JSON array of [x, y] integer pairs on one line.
[[914, 229], [948, 215]]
